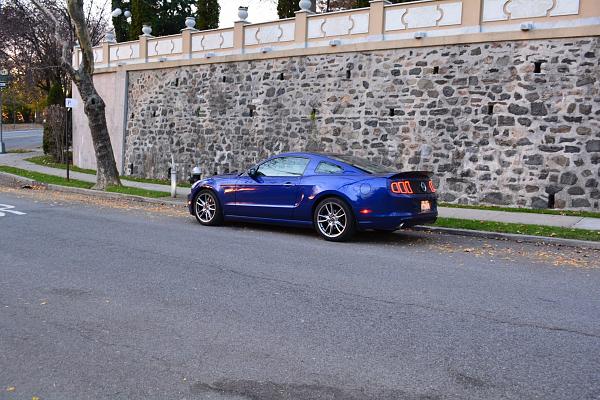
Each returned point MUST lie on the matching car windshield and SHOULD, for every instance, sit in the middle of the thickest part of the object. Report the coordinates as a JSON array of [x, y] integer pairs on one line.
[[361, 163]]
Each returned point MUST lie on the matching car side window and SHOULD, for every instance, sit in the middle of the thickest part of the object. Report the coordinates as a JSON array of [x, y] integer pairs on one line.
[[328, 168], [283, 166]]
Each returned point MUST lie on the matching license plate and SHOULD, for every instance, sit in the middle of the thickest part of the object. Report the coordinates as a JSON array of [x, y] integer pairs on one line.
[[425, 206]]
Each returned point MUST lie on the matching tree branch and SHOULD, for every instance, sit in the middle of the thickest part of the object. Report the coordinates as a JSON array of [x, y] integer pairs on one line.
[[65, 61]]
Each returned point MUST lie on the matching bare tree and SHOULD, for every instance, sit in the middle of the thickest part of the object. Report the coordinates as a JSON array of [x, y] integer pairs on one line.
[[94, 106], [29, 49]]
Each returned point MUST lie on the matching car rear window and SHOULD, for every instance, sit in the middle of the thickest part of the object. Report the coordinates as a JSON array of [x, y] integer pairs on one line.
[[361, 163], [328, 168]]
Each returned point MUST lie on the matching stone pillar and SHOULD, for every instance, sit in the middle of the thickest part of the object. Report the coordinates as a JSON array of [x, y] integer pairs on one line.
[[301, 28], [238, 35], [472, 10], [377, 19]]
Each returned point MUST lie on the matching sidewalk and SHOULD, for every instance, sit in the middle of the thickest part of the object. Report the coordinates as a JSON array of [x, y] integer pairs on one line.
[[563, 221], [18, 160]]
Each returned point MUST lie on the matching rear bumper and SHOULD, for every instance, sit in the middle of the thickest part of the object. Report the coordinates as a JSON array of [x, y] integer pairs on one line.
[[392, 222]]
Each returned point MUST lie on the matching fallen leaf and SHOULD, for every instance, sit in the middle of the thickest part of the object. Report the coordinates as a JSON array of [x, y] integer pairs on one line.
[[11, 389]]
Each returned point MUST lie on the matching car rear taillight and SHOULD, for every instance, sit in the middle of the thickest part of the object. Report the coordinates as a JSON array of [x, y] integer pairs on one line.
[[431, 186], [402, 187]]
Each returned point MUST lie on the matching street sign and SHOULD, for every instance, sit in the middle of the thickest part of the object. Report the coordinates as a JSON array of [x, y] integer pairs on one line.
[[2, 85], [70, 102]]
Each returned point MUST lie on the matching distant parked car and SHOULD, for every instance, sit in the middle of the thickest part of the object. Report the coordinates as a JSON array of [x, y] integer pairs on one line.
[[335, 194]]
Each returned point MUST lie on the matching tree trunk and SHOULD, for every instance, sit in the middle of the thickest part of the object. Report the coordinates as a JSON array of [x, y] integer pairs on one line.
[[107, 173]]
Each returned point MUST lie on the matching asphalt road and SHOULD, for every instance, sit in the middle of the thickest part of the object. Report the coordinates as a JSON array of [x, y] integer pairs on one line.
[[103, 300], [27, 139]]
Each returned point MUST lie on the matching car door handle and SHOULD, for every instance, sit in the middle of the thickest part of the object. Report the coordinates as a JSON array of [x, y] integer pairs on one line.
[[288, 184]]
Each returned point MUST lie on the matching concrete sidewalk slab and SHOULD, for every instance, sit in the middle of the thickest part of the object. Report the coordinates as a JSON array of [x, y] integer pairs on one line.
[[588, 223], [563, 221]]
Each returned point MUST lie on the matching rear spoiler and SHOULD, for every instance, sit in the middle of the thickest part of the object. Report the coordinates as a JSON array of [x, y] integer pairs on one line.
[[412, 174]]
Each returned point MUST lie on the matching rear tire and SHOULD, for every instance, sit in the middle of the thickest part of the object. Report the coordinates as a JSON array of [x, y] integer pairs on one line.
[[207, 209], [333, 220]]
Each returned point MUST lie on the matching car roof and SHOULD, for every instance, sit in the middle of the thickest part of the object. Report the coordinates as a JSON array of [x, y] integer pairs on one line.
[[330, 157]]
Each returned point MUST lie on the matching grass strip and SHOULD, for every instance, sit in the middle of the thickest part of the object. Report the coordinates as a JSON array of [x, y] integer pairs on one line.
[[44, 178], [571, 213], [520, 229], [58, 180], [137, 191], [19, 151], [47, 161]]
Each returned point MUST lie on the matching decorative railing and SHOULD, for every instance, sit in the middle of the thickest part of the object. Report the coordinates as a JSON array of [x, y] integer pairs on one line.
[[381, 21]]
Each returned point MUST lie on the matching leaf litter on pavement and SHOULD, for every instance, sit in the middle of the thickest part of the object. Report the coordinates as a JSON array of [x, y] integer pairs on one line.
[[492, 249]]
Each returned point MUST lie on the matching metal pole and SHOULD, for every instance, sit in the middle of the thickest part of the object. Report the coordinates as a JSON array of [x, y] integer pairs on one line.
[[2, 147], [67, 140], [14, 114]]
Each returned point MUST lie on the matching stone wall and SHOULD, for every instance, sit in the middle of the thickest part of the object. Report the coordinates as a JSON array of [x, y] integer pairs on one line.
[[492, 128]]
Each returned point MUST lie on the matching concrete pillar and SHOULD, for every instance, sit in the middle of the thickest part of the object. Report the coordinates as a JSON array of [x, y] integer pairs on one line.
[[143, 41], [377, 19], [186, 42], [471, 12], [105, 53], [238, 36], [301, 28]]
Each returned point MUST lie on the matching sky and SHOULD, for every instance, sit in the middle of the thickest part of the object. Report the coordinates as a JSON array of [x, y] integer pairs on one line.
[[258, 11]]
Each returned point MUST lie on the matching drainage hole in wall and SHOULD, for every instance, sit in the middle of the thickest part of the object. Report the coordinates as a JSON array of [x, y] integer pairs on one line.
[[551, 200]]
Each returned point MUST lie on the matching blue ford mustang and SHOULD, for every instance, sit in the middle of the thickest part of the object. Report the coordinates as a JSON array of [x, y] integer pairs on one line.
[[335, 194]]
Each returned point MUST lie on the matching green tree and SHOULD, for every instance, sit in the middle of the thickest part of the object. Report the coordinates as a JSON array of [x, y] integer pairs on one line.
[[56, 95], [120, 23], [166, 17], [141, 13], [207, 16], [365, 3], [287, 8]]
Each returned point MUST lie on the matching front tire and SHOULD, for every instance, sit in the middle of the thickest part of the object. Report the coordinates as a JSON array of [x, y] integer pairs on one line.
[[333, 220], [207, 209]]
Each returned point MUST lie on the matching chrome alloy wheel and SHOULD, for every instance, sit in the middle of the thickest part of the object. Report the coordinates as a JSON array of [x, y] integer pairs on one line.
[[331, 219], [206, 207]]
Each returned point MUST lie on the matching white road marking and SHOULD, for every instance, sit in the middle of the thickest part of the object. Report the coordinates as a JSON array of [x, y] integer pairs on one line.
[[6, 208]]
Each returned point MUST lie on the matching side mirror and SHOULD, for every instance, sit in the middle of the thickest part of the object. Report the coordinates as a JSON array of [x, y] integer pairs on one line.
[[252, 172]]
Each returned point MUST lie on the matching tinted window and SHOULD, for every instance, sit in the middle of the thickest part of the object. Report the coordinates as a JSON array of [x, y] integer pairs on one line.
[[283, 166], [361, 163], [328, 168]]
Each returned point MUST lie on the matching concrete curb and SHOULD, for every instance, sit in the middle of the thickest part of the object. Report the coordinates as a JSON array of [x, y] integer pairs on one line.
[[585, 244], [17, 181]]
